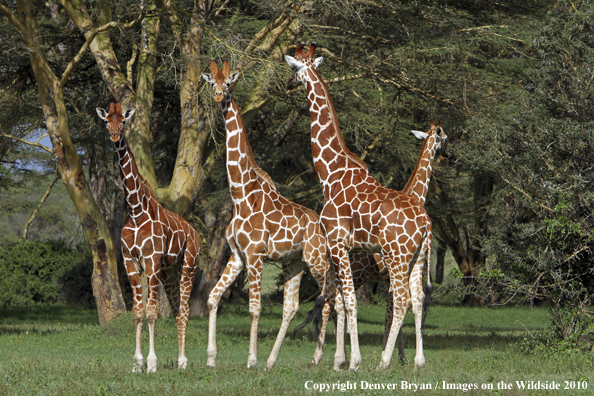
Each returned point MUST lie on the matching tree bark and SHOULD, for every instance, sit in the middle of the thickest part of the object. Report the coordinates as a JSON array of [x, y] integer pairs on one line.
[[104, 280], [218, 255], [440, 262]]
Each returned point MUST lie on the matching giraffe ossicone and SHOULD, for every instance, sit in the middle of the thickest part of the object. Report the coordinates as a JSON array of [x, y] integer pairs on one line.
[[265, 226], [360, 214], [155, 241]]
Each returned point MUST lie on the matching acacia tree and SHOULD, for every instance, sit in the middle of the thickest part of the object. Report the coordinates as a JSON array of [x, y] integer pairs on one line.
[[539, 153], [108, 296], [391, 66], [191, 167]]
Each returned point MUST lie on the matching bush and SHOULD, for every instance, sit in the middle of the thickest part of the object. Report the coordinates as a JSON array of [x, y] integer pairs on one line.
[[44, 272]]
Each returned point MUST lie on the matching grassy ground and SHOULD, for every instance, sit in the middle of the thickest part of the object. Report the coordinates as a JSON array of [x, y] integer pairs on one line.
[[63, 351]]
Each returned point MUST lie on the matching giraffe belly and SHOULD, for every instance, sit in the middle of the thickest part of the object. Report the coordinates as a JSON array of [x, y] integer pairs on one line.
[[283, 251]]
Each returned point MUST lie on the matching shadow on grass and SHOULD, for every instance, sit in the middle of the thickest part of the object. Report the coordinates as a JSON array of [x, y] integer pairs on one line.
[[458, 340], [47, 314]]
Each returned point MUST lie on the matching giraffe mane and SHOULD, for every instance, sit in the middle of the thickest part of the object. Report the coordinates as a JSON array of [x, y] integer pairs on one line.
[[259, 171], [308, 57], [149, 188], [341, 141]]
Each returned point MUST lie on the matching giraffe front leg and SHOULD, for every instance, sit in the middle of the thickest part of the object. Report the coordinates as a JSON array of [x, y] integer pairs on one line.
[[151, 310], [255, 279], [137, 307], [292, 274], [232, 270]]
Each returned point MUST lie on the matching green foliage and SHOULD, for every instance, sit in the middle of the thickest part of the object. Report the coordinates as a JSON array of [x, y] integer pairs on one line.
[[56, 220], [43, 272], [539, 148]]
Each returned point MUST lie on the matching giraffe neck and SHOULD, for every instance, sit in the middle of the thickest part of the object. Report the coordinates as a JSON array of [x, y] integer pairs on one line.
[[240, 163], [134, 187], [418, 183], [330, 153]]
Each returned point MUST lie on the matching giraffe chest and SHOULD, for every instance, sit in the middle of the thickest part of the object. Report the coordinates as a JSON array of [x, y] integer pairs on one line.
[[152, 239]]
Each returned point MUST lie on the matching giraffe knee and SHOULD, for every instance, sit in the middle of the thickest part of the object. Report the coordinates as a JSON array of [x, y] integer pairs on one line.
[[401, 302], [151, 316], [138, 316]]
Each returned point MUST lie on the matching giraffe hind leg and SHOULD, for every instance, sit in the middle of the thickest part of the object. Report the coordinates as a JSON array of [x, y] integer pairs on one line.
[[188, 273], [293, 274], [418, 297], [399, 295]]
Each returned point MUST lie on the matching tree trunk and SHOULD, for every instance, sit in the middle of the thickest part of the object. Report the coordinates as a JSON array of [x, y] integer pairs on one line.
[[108, 295], [483, 188], [440, 263], [218, 255]]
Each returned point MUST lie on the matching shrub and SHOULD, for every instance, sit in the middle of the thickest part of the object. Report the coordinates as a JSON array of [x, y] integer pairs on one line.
[[44, 272]]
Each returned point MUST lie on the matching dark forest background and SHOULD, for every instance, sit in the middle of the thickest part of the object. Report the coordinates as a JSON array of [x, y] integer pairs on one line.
[[512, 82]]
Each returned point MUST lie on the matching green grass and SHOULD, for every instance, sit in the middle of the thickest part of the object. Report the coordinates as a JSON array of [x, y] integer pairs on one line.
[[63, 351]]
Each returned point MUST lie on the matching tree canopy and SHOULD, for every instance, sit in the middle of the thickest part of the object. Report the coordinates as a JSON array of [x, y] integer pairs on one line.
[[510, 81]]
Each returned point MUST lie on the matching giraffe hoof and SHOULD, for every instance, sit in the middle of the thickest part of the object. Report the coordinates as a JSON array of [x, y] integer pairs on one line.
[[383, 366], [341, 365], [151, 366], [182, 364], [420, 362], [269, 366], [252, 364]]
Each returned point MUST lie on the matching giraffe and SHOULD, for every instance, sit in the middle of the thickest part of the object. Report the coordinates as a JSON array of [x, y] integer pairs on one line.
[[265, 226], [360, 214], [156, 241], [370, 267]]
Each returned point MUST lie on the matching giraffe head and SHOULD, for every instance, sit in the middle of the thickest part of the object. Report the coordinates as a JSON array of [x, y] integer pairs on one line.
[[115, 119], [302, 63], [220, 80], [440, 136]]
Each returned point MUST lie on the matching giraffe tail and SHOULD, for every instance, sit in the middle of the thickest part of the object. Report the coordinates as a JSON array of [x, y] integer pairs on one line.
[[315, 316], [428, 290]]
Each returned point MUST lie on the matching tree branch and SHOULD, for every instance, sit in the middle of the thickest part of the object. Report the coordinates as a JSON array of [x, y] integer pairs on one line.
[[47, 192], [41, 146], [12, 19], [527, 195], [90, 39]]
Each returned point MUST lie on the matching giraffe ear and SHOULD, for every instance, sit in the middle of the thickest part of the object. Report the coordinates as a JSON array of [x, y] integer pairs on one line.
[[293, 63], [233, 77], [318, 62], [207, 77], [101, 113], [419, 134], [128, 114]]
